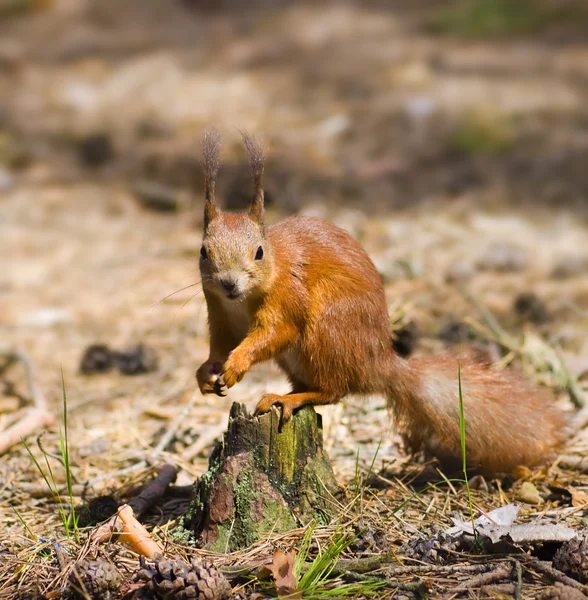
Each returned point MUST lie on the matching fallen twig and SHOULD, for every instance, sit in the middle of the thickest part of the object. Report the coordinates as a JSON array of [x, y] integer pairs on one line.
[[361, 565], [372, 564], [126, 527], [506, 589], [519, 580], [35, 490], [154, 490], [180, 491], [445, 569], [37, 416], [501, 572], [553, 573], [125, 522], [419, 587]]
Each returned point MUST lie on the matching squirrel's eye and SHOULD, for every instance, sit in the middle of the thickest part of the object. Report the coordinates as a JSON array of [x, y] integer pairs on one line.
[[203, 253], [259, 253]]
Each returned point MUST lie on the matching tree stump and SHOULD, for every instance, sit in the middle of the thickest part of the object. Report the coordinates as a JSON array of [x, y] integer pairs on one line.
[[261, 478]]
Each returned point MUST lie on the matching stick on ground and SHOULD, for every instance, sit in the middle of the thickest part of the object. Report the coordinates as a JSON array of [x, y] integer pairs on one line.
[[125, 524], [498, 574], [557, 576], [37, 417]]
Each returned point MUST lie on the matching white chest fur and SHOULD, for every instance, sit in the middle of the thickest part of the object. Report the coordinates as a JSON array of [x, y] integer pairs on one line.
[[237, 317]]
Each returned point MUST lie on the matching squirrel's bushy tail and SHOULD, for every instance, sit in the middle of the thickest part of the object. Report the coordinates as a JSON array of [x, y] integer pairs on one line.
[[508, 423]]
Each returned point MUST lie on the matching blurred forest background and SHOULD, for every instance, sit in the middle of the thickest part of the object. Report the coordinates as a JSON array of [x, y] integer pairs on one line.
[[449, 137]]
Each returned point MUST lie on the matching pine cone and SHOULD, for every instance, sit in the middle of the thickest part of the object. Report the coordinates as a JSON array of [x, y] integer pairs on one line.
[[572, 558], [136, 360], [559, 591], [175, 580], [98, 579], [97, 358]]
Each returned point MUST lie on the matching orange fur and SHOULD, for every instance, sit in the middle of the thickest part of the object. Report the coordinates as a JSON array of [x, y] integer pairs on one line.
[[508, 422], [315, 303]]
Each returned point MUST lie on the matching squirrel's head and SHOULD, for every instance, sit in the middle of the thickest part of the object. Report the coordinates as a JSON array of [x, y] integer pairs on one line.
[[235, 260]]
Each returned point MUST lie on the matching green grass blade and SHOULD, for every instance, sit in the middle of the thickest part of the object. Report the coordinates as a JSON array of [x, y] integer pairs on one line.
[[21, 519], [64, 444], [39, 468], [303, 550], [462, 435]]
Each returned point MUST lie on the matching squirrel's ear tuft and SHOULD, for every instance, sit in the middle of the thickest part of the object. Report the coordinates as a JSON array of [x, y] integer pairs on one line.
[[254, 149], [211, 144]]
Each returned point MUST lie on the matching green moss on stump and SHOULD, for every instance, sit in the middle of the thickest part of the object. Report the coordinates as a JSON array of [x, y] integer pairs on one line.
[[261, 479]]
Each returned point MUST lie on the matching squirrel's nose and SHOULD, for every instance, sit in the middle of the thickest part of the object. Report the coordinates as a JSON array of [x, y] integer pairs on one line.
[[228, 284]]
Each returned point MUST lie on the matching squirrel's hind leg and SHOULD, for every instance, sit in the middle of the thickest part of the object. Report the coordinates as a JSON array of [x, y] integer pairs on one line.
[[293, 401]]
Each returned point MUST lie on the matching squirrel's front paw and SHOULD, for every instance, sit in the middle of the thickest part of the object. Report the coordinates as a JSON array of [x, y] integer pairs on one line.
[[209, 379], [234, 370], [269, 400]]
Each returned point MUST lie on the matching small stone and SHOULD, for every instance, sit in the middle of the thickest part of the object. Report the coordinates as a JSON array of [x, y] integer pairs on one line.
[[529, 494]]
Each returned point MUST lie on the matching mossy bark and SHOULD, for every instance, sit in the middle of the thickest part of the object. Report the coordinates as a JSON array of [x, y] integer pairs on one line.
[[261, 478]]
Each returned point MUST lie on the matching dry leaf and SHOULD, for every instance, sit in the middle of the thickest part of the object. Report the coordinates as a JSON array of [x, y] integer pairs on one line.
[[505, 516], [530, 533], [282, 569], [498, 525]]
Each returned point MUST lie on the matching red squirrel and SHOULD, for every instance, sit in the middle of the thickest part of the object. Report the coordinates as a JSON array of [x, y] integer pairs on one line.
[[304, 293]]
